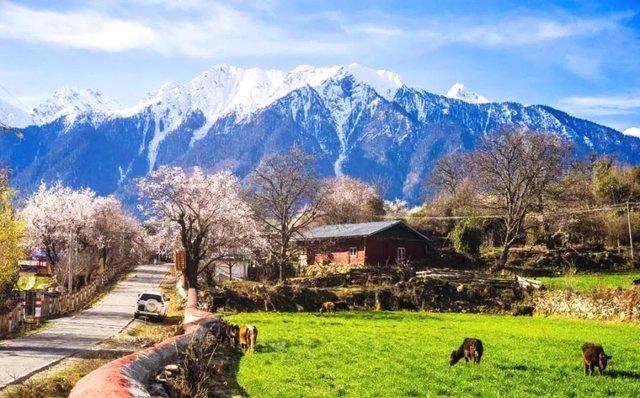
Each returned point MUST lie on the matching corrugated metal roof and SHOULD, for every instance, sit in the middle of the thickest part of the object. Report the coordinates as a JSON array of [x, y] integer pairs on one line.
[[349, 230]]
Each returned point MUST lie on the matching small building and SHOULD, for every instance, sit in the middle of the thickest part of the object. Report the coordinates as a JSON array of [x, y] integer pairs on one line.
[[369, 243]]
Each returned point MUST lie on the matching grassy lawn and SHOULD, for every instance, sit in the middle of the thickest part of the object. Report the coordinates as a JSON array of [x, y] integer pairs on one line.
[[405, 354], [583, 282]]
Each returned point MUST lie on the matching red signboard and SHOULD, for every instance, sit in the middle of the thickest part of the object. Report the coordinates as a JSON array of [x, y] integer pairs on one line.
[[180, 259]]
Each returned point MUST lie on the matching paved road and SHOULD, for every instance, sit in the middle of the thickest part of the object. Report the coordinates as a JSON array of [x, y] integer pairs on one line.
[[79, 333]]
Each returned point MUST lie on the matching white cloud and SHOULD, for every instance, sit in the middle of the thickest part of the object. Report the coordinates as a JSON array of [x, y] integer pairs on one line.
[[208, 29], [632, 131], [214, 30], [85, 30], [600, 106]]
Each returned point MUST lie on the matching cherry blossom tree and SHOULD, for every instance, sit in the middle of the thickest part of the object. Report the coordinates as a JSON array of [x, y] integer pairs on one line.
[[395, 208], [349, 200], [61, 221], [58, 219], [115, 234], [208, 210]]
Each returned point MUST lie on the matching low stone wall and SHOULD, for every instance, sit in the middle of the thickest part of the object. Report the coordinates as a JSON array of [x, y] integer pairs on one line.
[[611, 304], [126, 377]]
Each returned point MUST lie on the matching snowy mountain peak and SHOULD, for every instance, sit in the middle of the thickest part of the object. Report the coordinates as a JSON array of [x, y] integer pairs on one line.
[[384, 82], [70, 101], [13, 116], [457, 91], [632, 131]]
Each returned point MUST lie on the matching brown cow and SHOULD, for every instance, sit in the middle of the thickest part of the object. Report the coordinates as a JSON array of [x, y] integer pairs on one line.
[[231, 332], [471, 350], [246, 337], [328, 306], [594, 357]]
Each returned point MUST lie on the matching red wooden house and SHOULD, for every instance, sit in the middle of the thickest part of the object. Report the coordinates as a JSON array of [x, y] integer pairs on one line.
[[370, 243]]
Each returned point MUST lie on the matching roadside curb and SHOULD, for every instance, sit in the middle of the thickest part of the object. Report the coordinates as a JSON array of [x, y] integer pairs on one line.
[[126, 377]]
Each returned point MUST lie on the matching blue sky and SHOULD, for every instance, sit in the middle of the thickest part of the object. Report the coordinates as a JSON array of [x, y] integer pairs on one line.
[[579, 56]]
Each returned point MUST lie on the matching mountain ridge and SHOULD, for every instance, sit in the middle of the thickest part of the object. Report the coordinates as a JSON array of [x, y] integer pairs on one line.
[[355, 120]]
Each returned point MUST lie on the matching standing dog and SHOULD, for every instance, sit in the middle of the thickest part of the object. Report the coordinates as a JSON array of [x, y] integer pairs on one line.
[[471, 350]]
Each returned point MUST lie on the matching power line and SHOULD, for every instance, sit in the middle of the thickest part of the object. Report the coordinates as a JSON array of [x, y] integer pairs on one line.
[[25, 109]]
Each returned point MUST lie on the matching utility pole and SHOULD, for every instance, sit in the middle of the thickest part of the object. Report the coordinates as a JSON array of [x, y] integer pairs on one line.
[[70, 286], [630, 233]]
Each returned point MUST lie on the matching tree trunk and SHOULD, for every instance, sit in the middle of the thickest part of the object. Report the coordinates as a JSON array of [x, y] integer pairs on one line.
[[504, 255], [191, 276]]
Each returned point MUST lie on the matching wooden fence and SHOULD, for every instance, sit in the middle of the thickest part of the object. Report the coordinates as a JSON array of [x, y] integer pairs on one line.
[[50, 307], [11, 321]]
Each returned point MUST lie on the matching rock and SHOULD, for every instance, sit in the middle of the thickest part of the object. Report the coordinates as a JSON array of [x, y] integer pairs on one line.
[[156, 390]]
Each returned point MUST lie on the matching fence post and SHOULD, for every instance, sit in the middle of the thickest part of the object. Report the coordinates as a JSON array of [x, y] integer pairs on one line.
[[630, 232]]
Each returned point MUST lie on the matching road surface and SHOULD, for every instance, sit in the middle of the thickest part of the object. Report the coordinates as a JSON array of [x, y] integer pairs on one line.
[[78, 333]]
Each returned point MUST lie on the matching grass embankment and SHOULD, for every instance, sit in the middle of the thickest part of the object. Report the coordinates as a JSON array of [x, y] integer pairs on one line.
[[590, 282], [405, 354]]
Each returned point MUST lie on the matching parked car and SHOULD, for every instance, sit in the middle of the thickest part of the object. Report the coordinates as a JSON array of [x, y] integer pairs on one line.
[[152, 305]]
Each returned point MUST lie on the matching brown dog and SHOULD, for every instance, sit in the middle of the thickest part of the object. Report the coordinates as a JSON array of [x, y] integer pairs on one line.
[[246, 337], [593, 356], [471, 350], [328, 306]]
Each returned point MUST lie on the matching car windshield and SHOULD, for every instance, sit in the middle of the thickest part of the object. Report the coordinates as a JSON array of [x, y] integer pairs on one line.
[[147, 296]]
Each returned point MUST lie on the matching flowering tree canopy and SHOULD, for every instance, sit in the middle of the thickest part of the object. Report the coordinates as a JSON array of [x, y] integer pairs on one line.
[[349, 200], [395, 208], [56, 218], [207, 208], [60, 220]]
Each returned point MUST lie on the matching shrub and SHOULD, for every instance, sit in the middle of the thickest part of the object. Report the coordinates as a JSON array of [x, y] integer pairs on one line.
[[466, 238]]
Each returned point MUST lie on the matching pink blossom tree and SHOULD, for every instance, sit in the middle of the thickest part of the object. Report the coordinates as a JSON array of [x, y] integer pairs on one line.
[[349, 200], [397, 208], [58, 219], [208, 210]]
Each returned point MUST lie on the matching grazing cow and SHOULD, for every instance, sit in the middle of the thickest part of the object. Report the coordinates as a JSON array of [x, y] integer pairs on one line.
[[524, 310], [594, 357], [341, 306], [328, 306], [471, 350], [231, 333], [246, 337]]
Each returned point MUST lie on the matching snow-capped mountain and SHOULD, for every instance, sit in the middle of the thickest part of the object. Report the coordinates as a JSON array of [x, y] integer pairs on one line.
[[457, 91], [13, 116], [72, 102], [355, 120]]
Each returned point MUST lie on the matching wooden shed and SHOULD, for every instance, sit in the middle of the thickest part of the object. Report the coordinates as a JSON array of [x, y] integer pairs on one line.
[[371, 243]]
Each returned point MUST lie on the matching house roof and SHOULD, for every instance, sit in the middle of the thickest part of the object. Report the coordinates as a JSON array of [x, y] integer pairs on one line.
[[359, 230]]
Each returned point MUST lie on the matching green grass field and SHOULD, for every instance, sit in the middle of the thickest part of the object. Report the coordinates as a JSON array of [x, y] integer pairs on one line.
[[405, 354], [584, 282]]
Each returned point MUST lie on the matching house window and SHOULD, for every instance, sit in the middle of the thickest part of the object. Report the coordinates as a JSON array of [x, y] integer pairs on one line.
[[402, 253], [353, 251]]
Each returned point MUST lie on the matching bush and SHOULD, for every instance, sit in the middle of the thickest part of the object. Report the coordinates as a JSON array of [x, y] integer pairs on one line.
[[466, 238]]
